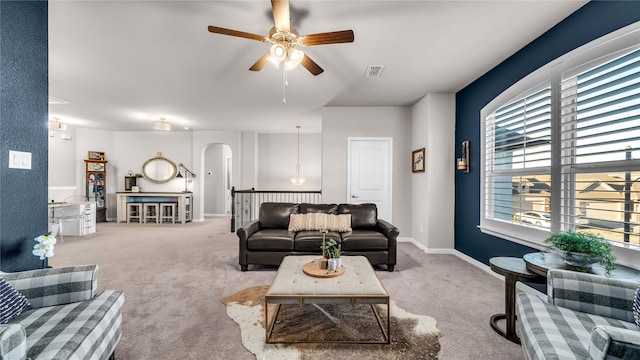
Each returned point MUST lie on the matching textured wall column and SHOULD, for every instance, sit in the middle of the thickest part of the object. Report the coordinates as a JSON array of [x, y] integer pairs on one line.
[[23, 127]]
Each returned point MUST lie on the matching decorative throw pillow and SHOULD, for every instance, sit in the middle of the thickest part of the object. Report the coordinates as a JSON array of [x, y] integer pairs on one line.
[[636, 307], [12, 302], [320, 221], [339, 223]]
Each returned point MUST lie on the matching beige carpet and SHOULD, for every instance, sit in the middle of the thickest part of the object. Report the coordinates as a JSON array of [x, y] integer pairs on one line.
[[174, 276], [413, 337]]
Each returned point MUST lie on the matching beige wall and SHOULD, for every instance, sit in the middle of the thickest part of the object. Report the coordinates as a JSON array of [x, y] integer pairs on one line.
[[433, 192], [339, 123]]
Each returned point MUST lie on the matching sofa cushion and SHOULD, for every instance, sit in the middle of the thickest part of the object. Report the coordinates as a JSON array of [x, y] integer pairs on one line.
[[362, 215], [549, 330], [320, 221], [306, 208], [636, 307], [364, 240], [271, 240], [276, 215], [12, 302], [311, 241], [82, 330]]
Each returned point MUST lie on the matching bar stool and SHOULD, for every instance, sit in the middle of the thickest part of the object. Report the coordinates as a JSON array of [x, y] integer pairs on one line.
[[134, 212], [151, 212], [168, 212]]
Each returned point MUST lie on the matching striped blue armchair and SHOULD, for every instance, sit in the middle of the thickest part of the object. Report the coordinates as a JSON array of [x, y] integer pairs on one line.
[[67, 319], [585, 317]]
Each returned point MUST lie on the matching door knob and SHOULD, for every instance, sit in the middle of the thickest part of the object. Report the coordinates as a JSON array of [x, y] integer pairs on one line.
[[354, 196]]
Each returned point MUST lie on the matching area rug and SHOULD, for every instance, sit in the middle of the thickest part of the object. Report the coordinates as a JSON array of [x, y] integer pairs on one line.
[[412, 336]]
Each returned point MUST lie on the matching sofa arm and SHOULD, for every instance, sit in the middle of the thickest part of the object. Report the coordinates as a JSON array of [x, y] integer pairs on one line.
[[56, 286], [248, 229], [244, 232], [13, 342], [389, 230], [613, 342]]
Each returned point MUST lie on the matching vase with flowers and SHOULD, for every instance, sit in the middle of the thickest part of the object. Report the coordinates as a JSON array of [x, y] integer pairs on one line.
[[44, 247]]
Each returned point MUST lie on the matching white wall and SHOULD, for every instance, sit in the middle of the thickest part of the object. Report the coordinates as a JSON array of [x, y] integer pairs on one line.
[[339, 123], [277, 157], [432, 192]]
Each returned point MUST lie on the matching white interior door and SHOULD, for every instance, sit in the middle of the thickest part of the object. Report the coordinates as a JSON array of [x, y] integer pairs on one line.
[[369, 173]]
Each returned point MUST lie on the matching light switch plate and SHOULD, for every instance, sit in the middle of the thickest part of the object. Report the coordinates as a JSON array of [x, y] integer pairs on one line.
[[19, 160]]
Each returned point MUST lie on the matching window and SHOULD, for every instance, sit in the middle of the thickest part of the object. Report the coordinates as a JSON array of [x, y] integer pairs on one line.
[[564, 153]]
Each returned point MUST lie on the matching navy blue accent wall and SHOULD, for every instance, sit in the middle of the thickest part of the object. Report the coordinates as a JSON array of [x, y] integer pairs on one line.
[[593, 20], [24, 87]]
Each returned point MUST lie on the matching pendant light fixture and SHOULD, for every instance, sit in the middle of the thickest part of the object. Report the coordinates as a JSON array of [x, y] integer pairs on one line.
[[162, 125], [298, 180]]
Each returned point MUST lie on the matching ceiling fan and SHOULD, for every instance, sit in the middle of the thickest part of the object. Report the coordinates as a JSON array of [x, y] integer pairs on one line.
[[285, 39]]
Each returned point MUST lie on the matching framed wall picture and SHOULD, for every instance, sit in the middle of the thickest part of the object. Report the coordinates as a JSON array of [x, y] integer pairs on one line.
[[417, 160], [96, 155]]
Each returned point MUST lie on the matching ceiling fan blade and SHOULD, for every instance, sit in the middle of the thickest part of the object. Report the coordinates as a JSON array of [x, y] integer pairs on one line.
[[334, 37], [261, 63], [311, 65], [242, 34], [281, 15]]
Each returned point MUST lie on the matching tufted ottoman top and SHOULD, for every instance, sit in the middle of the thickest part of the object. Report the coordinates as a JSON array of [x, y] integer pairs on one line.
[[359, 280]]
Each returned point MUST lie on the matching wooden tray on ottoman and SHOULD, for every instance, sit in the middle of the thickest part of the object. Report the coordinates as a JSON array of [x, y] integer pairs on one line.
[[313, 269]]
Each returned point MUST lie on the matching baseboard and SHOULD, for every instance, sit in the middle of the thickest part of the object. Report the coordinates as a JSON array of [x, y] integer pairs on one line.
[[519, 285]]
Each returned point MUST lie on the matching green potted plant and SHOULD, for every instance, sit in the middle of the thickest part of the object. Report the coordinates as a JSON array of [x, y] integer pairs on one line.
[[582, 249], [332, 250]]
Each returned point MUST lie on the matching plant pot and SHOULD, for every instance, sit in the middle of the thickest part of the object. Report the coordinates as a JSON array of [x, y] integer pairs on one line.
[[580, 260], [338, 262], [332, 264]]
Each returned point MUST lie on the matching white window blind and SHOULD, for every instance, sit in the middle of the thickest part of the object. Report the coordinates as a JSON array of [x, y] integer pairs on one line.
[[518, 159], [600, 145]]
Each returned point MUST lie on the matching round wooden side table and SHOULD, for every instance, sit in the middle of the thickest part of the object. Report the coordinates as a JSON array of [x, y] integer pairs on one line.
[[513, 269]]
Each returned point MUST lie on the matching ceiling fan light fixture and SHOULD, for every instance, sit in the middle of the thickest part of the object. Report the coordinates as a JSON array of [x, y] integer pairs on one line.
[[278, 52], [294, 58]]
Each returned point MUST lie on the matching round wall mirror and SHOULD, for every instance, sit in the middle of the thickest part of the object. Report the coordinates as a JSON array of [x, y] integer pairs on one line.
[[159, 169]]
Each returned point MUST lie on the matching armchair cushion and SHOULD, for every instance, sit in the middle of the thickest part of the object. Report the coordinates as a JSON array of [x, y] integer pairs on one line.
[[12, 302], [636, 307], [609, 342], [13, 342], [597, 295], [56, 286]]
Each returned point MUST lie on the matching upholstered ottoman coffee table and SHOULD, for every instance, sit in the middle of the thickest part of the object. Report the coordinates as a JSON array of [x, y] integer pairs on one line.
[[358, 285]]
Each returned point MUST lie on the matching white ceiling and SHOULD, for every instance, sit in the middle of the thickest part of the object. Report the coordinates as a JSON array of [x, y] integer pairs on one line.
[[122, 65]]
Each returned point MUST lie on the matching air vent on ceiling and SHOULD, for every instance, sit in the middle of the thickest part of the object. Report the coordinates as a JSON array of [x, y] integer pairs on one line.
[[56, 101], [374, 71]]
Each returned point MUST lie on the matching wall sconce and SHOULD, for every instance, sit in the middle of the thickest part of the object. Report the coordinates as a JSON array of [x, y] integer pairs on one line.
[[186, 176], [463, 161]]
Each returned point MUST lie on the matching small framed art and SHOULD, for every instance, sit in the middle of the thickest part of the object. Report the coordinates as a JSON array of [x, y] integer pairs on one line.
[[96, 155], [417, 160]]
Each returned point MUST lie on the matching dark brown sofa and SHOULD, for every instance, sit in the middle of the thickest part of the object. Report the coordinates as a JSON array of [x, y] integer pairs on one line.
[[267, 241]]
